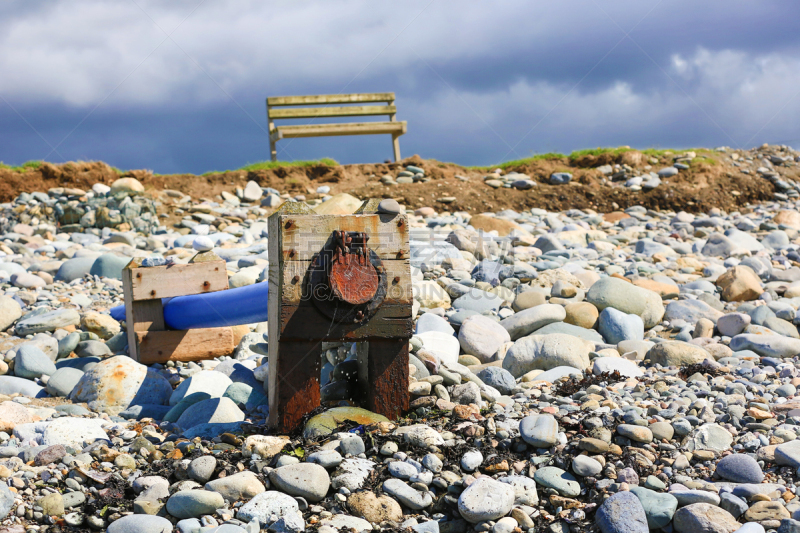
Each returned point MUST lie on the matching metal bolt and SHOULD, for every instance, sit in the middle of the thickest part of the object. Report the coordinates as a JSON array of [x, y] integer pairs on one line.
[[295, 279], [289, 224], [291, 252], [400, 223], [396, 280]]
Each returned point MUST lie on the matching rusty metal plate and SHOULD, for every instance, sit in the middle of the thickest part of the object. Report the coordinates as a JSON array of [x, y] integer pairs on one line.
[[355, 282], [347, 281]]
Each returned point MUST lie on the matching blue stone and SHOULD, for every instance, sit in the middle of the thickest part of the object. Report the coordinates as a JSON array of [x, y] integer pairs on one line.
[[622, 513], [616, 326], [32, 363], [76, 268], [499, 378], [560, 178], [109, 266], [740, 468], [490, 271], [479, 301]]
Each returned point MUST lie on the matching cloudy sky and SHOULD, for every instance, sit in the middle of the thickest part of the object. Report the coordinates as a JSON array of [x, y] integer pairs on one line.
[[179, 86]]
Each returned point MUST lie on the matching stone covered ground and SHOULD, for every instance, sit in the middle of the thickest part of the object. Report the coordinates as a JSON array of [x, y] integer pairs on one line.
[[617, 371]]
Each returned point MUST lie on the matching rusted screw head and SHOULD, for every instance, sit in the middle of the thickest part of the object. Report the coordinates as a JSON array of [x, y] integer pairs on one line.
[[289, 224], [396, 280], [291, 253], [400, 223], [295, 279]]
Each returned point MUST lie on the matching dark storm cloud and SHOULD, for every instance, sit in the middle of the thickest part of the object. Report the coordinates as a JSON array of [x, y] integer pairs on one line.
[[478, 82]]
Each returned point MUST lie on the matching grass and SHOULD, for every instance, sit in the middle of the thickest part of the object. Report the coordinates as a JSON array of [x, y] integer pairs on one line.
[[270, 165], [598, 151], [23, 167], [525, 161]]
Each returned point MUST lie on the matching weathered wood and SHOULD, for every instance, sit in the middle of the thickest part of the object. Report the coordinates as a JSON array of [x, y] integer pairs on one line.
[[387, 368], [273, 153], [300, 237], [177, 280], [293, 383], [395, 137], [144, 315], [329, 130], [330, 99], [184, 345], [304, 322], [297, 326], [294, 283], [345, 111]]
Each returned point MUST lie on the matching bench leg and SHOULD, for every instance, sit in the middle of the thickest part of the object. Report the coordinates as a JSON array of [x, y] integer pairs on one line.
[[396, 147], [273, 153]]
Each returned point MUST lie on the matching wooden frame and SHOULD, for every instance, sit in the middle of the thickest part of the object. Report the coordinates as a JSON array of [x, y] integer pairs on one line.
[[297, 328], [149, 340], [276, 133]]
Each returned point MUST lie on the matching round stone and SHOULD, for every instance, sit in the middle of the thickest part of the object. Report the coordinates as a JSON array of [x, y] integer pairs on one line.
[[307, 480], [622, 513], [485, 499], [202, 244], [482, 337], [740, 468], [555, 478], [194, 503], [585, 466], [540, 431], [389, 206]]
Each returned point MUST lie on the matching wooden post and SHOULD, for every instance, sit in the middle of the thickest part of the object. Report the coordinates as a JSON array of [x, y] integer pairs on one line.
[[297, 326], [395, 137], [273, 153], [294, 385], [387, 367]]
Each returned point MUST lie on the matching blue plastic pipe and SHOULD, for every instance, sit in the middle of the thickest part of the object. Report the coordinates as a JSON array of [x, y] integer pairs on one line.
[[233, 307]]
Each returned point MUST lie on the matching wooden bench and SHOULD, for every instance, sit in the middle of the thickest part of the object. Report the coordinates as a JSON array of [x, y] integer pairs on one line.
[[276, 133]]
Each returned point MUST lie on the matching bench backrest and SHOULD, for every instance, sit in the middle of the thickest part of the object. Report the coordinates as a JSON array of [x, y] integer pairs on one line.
[[344, 111]]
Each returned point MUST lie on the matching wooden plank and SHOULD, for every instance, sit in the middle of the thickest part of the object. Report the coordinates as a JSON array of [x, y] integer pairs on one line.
[[293, 383], [355, 128], [330, 99], [145, 315], [387, 368], [273, 322], [348, 111], [307, 234], [305, 322], [178, 280], [294, 284], [184, 345]]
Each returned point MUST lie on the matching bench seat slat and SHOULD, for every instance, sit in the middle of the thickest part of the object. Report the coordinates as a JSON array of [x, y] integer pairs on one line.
[[349, 111], [330, 99], [357, 128]]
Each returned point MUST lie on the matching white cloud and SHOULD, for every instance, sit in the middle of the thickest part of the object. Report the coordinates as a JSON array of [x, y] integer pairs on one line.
[[473, 78]]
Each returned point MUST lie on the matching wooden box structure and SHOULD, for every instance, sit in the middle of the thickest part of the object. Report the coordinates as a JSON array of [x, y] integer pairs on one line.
[[149, 339], [298, 323]]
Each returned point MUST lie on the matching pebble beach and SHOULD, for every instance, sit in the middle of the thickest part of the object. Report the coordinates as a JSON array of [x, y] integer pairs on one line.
[[625, 371]]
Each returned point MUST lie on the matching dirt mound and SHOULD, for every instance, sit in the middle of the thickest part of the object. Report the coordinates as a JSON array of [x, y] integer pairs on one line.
[[712, 180]]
